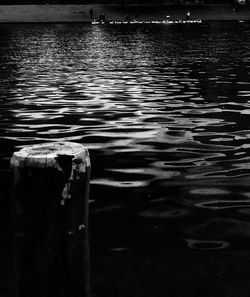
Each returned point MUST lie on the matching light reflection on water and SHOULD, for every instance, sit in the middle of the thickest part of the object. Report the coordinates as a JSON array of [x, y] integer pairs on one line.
[[164, 111]]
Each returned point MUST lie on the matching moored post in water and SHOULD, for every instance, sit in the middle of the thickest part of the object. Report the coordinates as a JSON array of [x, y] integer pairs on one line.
[[50, 185]]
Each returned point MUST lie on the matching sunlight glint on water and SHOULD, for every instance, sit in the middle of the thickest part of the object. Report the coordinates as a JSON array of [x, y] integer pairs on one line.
[[164, 111]]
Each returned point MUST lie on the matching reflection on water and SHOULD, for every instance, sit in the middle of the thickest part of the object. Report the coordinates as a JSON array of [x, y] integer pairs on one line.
[[164, 111]]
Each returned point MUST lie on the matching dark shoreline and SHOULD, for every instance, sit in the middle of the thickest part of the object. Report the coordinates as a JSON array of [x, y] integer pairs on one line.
[[80, 13]]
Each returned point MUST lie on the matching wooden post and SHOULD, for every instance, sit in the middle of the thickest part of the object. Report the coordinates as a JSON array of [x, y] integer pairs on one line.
[[50, 209]]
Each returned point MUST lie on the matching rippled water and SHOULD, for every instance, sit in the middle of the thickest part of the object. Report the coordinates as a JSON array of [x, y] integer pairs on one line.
[[164, 111]]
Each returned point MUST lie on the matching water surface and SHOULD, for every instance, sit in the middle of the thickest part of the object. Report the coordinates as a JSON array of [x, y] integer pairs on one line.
[[164, 111]]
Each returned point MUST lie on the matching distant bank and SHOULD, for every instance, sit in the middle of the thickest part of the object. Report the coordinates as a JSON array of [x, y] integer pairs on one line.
[[81, 13]]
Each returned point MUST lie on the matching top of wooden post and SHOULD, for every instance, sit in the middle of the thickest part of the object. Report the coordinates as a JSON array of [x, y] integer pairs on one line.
[[46, 154]]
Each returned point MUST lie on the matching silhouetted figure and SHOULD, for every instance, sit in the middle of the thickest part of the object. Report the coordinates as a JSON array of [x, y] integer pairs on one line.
[[127, 18], [91, 13], [102, 18], [188, 16]]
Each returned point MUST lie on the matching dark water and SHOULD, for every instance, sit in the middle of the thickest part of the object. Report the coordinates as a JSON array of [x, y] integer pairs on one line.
[[165, 113]]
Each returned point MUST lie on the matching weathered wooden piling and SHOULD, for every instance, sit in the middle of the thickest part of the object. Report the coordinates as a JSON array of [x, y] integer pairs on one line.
[[50, 210]]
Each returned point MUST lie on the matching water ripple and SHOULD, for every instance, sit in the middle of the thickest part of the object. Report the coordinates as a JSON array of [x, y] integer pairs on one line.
[[163, 110]]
